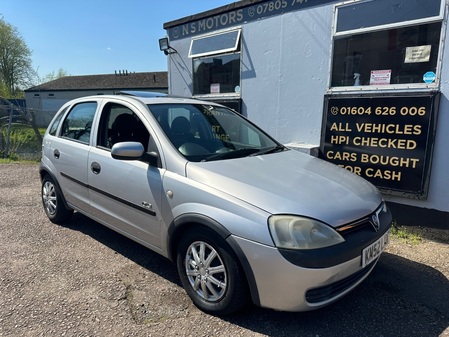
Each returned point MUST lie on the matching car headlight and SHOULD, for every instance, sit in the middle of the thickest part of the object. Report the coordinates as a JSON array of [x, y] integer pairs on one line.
[[295, 232]]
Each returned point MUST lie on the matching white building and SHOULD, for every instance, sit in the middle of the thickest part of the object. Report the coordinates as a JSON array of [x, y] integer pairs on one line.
[[363, 81]]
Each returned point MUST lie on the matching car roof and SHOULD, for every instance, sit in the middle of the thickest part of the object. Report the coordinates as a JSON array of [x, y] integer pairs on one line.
[[141, 93], [152, 98]]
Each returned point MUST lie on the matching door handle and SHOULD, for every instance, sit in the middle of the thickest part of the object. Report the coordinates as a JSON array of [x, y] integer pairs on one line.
[[95, 167], [56, 153]]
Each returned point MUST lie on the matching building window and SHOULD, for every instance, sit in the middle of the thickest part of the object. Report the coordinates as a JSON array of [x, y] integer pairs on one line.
[[216, 75], [216, 63], [217, 43], [399, 47]]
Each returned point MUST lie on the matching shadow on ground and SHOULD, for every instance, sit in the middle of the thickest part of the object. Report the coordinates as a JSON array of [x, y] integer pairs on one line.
[[400, 298]]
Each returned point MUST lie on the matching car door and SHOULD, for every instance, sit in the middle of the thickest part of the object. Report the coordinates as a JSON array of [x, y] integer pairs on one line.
[[125, 195], [69, 150]]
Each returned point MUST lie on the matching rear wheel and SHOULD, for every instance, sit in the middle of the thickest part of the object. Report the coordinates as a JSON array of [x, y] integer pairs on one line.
[[211, 273], [52, 200]]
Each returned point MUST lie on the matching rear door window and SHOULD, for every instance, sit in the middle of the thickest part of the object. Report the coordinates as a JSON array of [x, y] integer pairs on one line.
[[78, 124]]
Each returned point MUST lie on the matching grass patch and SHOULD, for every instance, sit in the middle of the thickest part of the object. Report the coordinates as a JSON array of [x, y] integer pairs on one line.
[[409, 235], [15, 159], [23, 143]]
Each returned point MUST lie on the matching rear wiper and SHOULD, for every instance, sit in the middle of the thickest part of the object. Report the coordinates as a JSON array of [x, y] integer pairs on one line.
[[232, 154], [277, 148]]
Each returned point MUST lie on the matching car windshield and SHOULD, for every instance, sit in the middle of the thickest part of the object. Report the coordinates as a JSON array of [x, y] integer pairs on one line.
[[209, 132]]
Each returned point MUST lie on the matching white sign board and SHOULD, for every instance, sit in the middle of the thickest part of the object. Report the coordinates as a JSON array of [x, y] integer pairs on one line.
[[380, 77], [215, 88]]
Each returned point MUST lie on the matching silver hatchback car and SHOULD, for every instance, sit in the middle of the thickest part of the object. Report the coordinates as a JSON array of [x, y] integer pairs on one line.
[[243, 217]]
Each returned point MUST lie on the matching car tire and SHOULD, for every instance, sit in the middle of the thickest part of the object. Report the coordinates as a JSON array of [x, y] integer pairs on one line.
[[52, 200], [210, 272]]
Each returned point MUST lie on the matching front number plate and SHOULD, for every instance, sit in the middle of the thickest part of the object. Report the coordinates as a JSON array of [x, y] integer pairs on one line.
[[373, 251]]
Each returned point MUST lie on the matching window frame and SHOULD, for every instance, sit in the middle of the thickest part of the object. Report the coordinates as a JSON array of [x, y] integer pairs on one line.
[[216, 51], [337, 7], [337, 35], [235, 50]]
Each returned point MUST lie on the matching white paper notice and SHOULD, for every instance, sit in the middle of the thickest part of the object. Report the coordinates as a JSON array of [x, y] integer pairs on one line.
[[417, 54], [380, 77]]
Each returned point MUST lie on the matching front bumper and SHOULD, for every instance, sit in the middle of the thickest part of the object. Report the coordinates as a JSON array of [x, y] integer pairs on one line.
[[308, 280], [284, 286]]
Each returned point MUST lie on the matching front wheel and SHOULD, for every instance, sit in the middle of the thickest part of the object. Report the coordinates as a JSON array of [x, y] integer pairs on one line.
[[52, 200], [210, 272]]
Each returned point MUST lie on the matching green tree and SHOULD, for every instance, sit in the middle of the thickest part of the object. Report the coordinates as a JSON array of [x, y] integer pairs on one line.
[[16, 70], [52, 76]]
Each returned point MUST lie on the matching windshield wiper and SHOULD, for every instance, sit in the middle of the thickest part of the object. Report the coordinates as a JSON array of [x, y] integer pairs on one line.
[[232, 154], [277, 148]]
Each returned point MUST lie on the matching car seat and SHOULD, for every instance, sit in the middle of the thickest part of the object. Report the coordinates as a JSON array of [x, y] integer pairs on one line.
[[124, 129], [181, 131]]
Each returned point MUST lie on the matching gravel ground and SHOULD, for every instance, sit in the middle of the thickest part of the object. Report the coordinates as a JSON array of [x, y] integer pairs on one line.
[[82, 279]]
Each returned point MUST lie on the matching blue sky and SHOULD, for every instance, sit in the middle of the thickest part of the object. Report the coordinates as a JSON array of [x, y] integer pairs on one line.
[[86, 37]]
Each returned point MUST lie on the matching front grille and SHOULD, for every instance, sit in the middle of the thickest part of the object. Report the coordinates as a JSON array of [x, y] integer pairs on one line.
[[374, 221], [330, 291], [355, 226]]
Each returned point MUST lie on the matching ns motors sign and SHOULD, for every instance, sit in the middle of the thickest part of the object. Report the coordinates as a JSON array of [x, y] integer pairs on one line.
[[237, 15]]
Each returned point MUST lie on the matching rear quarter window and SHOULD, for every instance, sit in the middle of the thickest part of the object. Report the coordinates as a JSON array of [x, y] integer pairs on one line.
[[53, 128]]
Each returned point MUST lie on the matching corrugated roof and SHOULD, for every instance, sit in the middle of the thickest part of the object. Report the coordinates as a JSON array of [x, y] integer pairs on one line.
[[156, 80]]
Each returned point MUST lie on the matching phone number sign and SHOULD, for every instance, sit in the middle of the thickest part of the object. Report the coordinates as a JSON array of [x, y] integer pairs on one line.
[[386, 139]]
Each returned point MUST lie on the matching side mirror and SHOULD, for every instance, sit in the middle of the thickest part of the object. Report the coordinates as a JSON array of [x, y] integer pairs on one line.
[[127, 151], [152, 158]]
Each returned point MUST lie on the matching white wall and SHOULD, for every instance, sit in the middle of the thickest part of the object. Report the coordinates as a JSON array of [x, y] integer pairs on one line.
[[284, 73]]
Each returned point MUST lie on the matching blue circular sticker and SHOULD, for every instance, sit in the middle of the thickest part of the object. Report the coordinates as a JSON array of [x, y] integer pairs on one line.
[[429, 77]]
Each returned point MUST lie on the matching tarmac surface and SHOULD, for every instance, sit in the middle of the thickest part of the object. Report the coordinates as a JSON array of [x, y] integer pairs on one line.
[[82, 279]]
